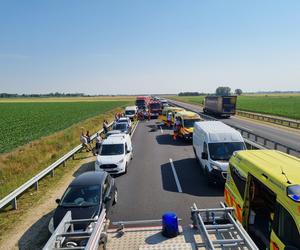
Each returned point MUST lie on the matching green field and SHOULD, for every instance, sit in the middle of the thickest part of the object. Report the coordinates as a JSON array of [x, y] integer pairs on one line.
[[284, 105], [21, 123]]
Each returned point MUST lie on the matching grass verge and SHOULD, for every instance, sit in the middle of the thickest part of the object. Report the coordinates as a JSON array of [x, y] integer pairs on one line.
[[20, 165], [9, 219], [287, 105]]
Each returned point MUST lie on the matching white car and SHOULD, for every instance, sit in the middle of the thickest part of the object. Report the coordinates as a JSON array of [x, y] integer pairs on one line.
[[115, 154], [125, 119], [131, 112]]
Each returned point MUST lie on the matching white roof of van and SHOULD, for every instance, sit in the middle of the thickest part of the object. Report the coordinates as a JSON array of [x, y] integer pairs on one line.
[[219, 132], [113, 139], [130, 108]]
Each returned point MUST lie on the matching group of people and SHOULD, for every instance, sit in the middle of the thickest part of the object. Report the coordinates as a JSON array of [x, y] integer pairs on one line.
[[85, 139], [176, 126], [143, 114]]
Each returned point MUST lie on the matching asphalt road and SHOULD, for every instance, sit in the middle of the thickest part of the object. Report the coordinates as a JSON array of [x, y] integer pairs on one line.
[[149, 188], [284, 136]]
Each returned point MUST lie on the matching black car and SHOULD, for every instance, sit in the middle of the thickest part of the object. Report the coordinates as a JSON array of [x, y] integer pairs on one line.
[[85, 197], [123, 127]]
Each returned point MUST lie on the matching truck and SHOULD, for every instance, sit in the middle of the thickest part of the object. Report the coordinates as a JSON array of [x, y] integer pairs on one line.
[[142, 101], [155, 108], [223, 106]]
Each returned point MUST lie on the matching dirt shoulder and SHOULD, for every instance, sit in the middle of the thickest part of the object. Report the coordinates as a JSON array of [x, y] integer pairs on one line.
[[31, 232]]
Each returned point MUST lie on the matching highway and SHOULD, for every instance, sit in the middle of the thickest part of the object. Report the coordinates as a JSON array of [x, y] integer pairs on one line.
[[152, 186], [282, 135]]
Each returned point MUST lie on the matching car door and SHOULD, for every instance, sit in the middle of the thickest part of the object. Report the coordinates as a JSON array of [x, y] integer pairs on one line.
[[108, 193]]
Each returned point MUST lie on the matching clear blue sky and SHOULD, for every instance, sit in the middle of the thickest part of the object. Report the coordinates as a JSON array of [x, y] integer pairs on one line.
[[148, 46]]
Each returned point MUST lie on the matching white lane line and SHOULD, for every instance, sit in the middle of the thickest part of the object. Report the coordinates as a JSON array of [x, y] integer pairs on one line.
[[175, 176], [161, 130], [134, 128]]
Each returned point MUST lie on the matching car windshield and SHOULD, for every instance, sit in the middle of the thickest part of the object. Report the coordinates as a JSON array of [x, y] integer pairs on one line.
[[223, 151], [155, 106], [140, 102], [129, 112], [189, 123], [81, 196], [112, 149], [120, 126]]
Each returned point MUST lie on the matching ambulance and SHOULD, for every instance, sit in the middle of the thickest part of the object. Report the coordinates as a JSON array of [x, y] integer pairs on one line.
[[187, 120], [166, 110], [264, 188]]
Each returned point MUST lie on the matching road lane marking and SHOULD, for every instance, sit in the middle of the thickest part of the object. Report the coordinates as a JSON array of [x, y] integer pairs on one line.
[[134, 128], [161, 130], [175, 176]]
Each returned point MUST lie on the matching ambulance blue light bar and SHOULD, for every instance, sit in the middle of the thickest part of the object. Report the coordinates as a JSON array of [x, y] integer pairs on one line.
[[293, 192]]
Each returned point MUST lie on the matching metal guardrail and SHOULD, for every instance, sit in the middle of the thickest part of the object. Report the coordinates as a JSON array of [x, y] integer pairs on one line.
[[254, 141], [34, 181], [267, 118]]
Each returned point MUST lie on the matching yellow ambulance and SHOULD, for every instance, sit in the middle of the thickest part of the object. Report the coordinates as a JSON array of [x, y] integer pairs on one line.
[[264, 188], [187, 120], [166, 111]]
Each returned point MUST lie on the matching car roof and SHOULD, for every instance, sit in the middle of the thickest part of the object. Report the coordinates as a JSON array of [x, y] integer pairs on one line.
[[130, 108], [273, 163], [89, 178], [219, 132], [114, 140], [188, 114]]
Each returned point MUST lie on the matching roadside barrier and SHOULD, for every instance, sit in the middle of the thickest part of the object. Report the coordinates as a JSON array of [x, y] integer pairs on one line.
[[252, 140], [267, 118], [34, 181]]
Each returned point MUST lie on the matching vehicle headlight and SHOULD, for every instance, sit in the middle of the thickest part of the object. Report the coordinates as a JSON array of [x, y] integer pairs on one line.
[[120, 161], [51, 226], [215, 167]]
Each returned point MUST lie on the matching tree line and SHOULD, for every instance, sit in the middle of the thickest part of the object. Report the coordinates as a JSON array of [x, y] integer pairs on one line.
[[56, 94], [221, 91]]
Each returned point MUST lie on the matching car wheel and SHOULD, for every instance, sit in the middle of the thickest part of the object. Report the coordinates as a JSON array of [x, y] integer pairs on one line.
[[195, 154], [116, 197], [125, 169]]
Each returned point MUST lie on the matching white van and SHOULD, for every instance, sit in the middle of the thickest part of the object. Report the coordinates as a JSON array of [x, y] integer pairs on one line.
[[214, 143], [115, 154], [131, 112]]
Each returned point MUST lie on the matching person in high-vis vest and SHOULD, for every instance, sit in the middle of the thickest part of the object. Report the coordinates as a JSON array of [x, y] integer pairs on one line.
[[177, 126], [169, 119]]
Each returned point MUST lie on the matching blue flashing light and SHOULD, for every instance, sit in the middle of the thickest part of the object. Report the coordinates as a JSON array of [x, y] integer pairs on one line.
[[295, 197]]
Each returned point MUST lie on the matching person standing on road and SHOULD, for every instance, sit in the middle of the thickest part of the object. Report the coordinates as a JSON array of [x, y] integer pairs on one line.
[[177, 126], [98, 143], [169, 118]]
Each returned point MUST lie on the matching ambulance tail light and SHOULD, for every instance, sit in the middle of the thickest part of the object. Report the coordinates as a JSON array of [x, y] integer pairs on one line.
[[293, 192]]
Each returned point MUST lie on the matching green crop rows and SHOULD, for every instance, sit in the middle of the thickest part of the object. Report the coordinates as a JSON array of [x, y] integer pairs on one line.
[[280, 105], [21, 123]]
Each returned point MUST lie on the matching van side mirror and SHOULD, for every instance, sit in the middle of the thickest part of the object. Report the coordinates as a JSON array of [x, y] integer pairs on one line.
[[204, 156], [128, 151], [57, 201]]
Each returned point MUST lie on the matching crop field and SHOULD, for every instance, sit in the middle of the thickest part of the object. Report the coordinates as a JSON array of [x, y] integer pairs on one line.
[[22, 122], [285, 105]]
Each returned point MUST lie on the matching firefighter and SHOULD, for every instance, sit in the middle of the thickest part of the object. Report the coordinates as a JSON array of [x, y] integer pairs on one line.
[[169, 119]]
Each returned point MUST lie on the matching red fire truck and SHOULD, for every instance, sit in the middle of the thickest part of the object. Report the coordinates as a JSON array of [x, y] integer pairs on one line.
[[155, 108], [142, 101]]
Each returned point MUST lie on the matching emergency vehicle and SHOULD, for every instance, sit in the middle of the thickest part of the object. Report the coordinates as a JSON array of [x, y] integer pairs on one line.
[[142, 101], [166, 111], [155, 108], [264, 188], [187, 120]]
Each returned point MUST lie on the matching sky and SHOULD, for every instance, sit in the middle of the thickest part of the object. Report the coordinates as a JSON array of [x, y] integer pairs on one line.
[[148, 46]]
